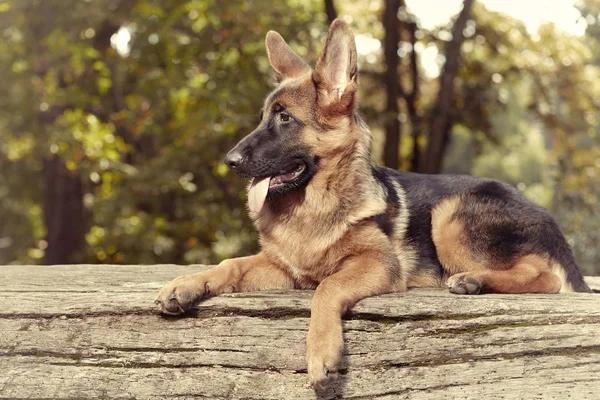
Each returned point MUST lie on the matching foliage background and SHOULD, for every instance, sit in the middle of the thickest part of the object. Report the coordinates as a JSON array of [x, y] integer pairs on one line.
[[112, 153]]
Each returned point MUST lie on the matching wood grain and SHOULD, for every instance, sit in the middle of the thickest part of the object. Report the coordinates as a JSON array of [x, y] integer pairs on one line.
[[91, 331]]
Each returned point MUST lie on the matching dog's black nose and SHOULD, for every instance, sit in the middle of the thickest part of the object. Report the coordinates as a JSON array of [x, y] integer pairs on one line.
[[234, 159]]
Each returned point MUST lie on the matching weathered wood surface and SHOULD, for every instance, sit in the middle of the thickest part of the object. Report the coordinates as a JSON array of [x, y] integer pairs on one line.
[[83, 332]]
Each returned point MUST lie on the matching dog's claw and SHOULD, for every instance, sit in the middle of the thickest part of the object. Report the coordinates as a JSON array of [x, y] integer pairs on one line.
[[462, 283], [320, 385], [182, 293]]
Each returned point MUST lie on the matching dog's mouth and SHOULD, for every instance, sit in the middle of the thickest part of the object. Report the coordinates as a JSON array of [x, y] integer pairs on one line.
[[261, 186], [287, 175]]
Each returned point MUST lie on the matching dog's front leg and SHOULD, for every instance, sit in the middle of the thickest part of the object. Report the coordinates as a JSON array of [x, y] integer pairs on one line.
[[359, 277], [243, 274]]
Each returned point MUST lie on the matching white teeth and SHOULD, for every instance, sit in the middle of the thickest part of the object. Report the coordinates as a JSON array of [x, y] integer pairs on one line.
[[276, 180]]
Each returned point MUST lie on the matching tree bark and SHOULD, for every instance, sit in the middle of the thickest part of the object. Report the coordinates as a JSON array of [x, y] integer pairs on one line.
[[391, 82], [64, 213], [330, 10], [432, 161]]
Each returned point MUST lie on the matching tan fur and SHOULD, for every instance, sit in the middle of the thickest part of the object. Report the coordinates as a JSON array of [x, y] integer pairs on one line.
[[335, 73], [366, 274], [311, 258], [530, 274], [447, 234], [291, 94], [242, 274], [559, 271], [284, 61], [252, 273], [341, 194], [405, 252], [424, 279]]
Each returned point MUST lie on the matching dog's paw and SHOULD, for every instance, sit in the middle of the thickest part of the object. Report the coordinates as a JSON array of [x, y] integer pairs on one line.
[[323, 354], [182, 293], [463, 283]]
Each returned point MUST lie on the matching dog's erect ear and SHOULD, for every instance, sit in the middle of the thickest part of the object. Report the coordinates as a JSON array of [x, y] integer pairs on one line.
[[335, 74], [284, 61]]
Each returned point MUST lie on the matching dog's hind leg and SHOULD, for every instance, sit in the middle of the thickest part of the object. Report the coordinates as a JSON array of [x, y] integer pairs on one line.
[[484, 248], [244, 274], [529, 275]]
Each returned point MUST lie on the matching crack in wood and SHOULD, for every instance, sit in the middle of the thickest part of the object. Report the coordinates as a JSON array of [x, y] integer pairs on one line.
[[169, 350], [407, 390], [80, 358], [572, 351], [479, 328]]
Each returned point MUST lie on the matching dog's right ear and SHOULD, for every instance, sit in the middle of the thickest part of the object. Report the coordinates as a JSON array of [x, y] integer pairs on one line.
[[284, 61], [335, 74]]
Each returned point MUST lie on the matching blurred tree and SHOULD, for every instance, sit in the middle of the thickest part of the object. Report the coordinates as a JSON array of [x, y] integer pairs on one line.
[[432, 160], [527, 112], [116, 114], [132, 103], [391, 25], [590, 13], [412, 96], [330, 10]]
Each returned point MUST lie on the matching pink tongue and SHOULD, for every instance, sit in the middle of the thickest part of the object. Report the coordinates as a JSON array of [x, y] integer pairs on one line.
[[257, 194]]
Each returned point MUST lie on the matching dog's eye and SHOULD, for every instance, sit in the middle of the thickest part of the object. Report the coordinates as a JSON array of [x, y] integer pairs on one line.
[[285, 117]]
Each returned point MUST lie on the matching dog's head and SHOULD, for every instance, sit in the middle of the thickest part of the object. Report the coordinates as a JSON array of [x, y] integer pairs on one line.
[[304, 120]]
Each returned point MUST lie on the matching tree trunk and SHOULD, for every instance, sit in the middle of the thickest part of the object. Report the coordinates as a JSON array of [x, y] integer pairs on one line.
[[64, 213], [392, 123], [412, 99], [330, 10], [440, 126]]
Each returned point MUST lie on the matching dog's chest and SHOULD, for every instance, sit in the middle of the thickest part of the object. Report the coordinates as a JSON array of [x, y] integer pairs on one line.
[[307, 257], [307, 244], [294, 266]]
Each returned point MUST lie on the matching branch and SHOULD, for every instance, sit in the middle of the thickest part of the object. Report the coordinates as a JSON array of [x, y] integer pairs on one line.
[[330, 11], [392, 84], [440, 123], [412, 98]]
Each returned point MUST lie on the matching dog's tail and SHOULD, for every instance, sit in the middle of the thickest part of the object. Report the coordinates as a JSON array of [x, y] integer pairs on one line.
[[564, 256]]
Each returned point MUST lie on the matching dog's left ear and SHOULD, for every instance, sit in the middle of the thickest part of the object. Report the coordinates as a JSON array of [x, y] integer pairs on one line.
[[285, 62], [335, 75]]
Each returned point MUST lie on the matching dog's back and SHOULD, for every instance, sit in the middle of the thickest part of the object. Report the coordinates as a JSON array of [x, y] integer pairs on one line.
[[470, 223]]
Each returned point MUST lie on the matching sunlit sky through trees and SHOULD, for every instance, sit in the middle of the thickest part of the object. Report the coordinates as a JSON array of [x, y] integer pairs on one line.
[[435, 13], [533, 13]]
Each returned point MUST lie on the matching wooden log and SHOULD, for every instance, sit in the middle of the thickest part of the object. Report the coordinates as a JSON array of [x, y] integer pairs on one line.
[[92, 331]]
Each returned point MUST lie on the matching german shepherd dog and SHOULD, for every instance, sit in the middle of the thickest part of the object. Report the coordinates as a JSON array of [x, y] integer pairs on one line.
[[332, 221]]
